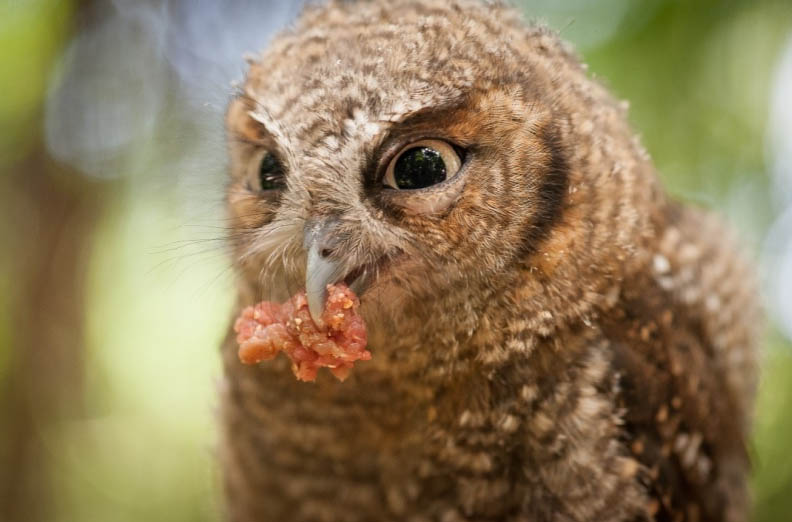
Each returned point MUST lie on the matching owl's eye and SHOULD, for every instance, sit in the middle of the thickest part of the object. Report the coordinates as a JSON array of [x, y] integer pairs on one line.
[[270, 173], [422, 164]]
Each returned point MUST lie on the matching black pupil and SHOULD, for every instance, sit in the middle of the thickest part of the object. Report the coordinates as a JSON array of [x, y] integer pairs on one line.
[[270, 173], [419, 167]]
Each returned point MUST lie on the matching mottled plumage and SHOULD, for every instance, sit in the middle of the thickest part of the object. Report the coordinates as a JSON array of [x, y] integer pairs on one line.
[[553, 339]]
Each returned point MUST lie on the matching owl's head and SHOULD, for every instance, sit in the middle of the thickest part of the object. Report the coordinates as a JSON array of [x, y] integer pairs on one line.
[[424, 149]]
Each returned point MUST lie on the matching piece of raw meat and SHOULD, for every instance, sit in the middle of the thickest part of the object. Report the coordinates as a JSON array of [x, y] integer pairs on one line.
[[267, 328]]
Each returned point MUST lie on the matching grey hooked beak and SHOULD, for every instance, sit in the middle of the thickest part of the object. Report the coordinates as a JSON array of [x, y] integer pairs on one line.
[[321, 270]]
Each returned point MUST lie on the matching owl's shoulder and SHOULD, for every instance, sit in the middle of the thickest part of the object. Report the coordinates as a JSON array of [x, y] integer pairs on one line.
[[683, 338]]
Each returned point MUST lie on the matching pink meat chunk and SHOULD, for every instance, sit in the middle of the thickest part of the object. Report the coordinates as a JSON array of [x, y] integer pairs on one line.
[[265, 329]]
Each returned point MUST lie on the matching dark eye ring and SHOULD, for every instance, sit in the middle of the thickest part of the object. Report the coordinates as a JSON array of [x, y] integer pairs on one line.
[[270, 173], [422, 164]]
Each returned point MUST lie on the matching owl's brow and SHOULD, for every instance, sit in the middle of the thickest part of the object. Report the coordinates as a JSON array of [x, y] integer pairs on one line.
[[240, 138], [268, 132], [428, 120], [240, 118], [429, 111], [402, 120]]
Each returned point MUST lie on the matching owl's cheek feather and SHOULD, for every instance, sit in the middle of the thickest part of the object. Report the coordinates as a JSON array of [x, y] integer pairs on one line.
[[553, 250], [331, 259], [431, 203], [247, 210]]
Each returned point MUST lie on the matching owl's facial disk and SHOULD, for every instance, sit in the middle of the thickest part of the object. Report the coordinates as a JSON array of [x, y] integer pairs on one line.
[[417, 208], [410, 184]]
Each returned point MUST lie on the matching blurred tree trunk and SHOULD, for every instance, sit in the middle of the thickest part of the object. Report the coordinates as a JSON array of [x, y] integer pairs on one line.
[[52, 214]]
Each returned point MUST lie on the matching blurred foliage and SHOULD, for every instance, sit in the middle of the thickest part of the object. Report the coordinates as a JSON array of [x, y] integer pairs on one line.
[[32, 33], [697, 76], [772, 441], [696, 73]]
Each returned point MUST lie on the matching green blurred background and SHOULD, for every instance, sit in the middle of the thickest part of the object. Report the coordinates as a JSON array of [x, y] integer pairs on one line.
[[114, 284]]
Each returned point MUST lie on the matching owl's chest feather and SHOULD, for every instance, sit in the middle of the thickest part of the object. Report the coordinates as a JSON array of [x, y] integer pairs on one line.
[[430, 424]]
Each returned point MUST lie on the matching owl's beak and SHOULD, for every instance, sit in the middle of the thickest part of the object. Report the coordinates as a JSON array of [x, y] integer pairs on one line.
[[320, 270], [319, 273]]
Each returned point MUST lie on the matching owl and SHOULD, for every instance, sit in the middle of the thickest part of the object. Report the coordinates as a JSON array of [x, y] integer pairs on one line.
[[552, 337]]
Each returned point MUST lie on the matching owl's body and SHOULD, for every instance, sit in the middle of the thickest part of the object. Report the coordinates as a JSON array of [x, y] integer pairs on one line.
[[552, 338]]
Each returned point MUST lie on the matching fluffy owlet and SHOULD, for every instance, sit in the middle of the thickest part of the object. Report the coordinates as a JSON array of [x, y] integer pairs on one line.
[[552, 338]]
